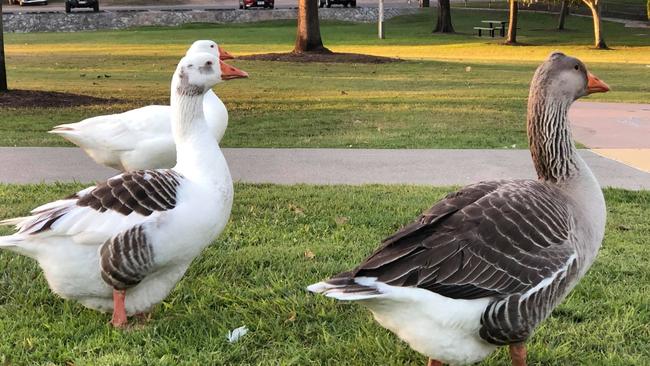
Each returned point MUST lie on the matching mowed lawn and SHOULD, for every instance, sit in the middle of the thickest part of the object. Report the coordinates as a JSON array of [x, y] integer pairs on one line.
[[453, 91], [279, 240]]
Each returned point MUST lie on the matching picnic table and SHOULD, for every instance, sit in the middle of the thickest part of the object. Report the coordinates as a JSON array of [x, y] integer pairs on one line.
[[502, 23]]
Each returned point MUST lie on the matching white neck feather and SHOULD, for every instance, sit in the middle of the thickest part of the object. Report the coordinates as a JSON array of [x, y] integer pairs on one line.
[[197, 152]]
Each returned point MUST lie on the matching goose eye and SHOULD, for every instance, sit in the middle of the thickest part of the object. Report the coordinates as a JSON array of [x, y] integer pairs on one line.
[[190, 65], [211, 46], [576, 67], [209, 63]]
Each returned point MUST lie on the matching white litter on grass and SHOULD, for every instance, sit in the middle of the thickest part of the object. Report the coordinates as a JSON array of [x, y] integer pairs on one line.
[[234, 335]]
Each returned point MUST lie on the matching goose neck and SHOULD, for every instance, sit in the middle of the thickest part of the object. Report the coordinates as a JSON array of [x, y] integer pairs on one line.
[[549, 135], [197, 151]]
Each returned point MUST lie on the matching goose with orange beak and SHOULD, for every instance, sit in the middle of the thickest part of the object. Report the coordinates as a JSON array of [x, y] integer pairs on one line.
[[142, 138], [487, 264], [122, 245]]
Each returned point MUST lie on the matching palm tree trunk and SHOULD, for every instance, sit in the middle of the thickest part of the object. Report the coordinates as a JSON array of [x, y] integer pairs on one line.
[[308, 34], [443, 24], [3, 70], [512, 22], [599, 41], [564, 11]]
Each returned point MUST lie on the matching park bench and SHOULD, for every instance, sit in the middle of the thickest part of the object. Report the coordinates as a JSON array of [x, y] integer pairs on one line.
[[488, 30]]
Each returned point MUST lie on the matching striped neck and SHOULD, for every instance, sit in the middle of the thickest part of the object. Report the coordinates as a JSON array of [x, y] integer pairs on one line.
[[549, 136]]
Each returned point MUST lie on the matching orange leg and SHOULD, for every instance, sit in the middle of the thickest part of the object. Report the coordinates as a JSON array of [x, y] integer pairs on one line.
[[518, 354], [434, 363], [119, 312]]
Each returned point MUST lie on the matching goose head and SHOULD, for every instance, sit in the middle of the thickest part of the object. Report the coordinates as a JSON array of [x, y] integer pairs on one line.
[[557, 83], [211, 47], [199, 72], [566, 78]]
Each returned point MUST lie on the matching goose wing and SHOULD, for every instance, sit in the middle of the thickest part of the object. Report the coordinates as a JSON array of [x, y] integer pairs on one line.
[[491, 239], [119, 132], [97, 213]]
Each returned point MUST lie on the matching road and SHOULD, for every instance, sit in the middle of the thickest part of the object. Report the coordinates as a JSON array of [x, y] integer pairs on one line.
[[193, 5]]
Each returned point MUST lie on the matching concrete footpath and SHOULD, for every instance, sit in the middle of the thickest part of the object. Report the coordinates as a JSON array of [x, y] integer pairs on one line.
[[436, 167], [619, 131]]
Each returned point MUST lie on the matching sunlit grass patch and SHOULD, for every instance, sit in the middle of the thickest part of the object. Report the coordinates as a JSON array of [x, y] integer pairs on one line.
[[282, 238]]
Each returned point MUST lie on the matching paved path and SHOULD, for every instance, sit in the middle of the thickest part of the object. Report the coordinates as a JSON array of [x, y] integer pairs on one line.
[[619, 131], [325, 166], [611, 125]]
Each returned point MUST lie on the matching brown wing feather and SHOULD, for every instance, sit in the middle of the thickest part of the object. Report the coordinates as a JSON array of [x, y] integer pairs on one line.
[[491, 239], [141, 191]]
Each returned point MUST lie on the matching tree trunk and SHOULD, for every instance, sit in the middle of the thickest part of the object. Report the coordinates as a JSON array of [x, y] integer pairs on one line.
[[564, 11], [599, 41], [512, 22], [308, 34], [3, 71], [444, 18], [424, 3]]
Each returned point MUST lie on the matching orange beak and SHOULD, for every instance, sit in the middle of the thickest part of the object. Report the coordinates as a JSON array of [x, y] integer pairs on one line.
[[595, 85], [224, 55], [230, 72]]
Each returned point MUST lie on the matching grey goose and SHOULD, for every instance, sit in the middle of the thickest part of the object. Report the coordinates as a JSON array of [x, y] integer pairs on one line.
[[486, 264]]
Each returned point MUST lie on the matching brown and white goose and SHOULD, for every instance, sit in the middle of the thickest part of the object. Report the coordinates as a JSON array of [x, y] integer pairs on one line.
[[484, 266], [123, 244]]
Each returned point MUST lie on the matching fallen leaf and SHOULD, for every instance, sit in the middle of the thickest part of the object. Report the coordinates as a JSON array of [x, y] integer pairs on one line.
[[296, 209], [292, 316], [309, 254], [341, 220]]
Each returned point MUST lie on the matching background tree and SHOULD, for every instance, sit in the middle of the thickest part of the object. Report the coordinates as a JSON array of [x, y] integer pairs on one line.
[[443, 25], [594, 6], [512, 22], [308, 35], [564, 11], [3, 71]]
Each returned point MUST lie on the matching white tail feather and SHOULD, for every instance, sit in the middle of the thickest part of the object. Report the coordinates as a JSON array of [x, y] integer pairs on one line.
[[349, 296], [319, 287], [340, 293], [63, 129], [7, 241], [13, 221]]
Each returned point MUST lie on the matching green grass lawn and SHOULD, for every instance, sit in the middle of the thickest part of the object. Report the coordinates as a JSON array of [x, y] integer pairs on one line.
[[255, 275], [429, 101]]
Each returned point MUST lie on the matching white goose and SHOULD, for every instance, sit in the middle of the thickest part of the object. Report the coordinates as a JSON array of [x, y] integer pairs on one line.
[[142, 138], [484, 266], [124, 244]]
